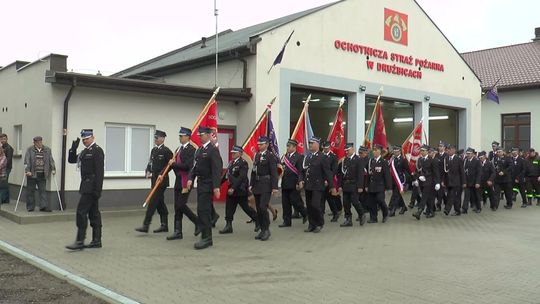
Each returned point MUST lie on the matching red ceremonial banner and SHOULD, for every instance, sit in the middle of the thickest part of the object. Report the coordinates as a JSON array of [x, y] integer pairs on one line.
[[411, 146], [337, 136], [396, 27], [208, 119]]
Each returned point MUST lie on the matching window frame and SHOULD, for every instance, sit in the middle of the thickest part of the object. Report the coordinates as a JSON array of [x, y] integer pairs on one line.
[[517, 140], [18, 140], [128, 133]]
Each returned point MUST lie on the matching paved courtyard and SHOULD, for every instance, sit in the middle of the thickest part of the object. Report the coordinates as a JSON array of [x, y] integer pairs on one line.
[[492, 257]]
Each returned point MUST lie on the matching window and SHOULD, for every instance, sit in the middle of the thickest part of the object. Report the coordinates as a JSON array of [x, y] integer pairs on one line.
[[127, 149], [516, 130], [18, 141]]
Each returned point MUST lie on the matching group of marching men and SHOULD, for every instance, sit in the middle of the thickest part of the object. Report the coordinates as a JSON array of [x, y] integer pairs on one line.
[[358, 181]]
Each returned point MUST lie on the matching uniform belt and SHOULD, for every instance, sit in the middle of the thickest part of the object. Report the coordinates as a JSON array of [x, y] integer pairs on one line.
[[259, 177]]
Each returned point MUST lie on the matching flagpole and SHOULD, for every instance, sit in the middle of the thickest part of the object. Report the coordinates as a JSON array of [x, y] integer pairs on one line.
[[258, 122], [374, 111], [217, 44], [341, 102], [168, 167], [306, 104]]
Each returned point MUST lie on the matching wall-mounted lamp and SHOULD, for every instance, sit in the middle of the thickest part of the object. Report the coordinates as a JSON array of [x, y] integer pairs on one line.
[[427, 98], [362, 88]]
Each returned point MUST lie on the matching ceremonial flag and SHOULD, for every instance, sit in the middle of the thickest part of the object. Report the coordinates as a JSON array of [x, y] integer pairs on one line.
[[376, 133], [303, 131], [492, 94], [337, 133], [279, 57], [208, 118], [272, 134], [411, 146]]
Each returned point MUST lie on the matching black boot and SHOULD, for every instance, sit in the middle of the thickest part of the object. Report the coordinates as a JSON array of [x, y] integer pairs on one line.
[[96, 239], [215, 218], [177, 234], [206, 240], [227, 229], [266, 235], [77, 245], [258, 236], [403, 210], [143, 228], [257, 226], [284, 224], [296, 215], [347, 222], [418, 214], [335, 217], [392, 212], [162, 228]]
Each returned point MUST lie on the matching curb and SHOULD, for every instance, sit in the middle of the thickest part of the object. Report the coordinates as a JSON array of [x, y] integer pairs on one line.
[[73, 279]]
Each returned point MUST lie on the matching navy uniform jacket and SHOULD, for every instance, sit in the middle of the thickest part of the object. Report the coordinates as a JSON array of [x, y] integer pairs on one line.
[[207, 168], [429, 168], [183, 163], [351, 174], [517, 165], [237, 176], [473, 171], [455, 172], [533, 166], [442, 158], [290, 179], [159, 158], [91, 160], [487, 173], [317, 168], [379, 175], [503, 172], [402, 168], [264, 176]]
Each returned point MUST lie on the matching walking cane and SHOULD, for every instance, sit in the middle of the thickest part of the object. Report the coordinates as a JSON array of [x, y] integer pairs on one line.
[[20, 190], [58, 193]]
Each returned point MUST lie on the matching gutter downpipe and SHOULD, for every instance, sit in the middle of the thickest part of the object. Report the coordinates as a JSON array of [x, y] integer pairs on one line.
[[64, 143]]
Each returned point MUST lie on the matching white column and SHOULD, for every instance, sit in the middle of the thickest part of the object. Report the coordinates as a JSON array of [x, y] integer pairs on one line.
[[355, 118]]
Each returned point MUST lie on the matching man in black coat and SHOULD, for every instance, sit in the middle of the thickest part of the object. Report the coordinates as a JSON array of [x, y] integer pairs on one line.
[[290, 183], [317, 173], [518, 168], [493, 152], [8, 151], [379, 181], [351, 184], [91, 162], [487, 176], [503, 177], [334, 200], [454, 181], [428, 181], [181, 164], [237, 194], [442, 194], [207, 170], [533, 177], [159, 158], [363, 160], [399, 168], [473, 173], [264, 182]]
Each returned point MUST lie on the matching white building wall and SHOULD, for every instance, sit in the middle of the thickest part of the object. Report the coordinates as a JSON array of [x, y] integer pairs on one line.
[[524, 101], [361, 21], [230, 75]]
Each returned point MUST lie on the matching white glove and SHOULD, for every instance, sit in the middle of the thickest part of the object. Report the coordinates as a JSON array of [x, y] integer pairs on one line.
[[415, 183], [437, 187], [422, 178]]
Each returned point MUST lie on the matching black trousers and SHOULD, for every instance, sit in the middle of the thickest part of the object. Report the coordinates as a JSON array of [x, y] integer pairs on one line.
[[352, 199], [290, 198], [205, 206], [88, 209], [415, 196], [442, 196], [533, 187], [521, 188], [376, 199], [453, 199], [157, 203], [507, 189], [181, 208], [261, 201], [396, 200], [487, 192], [428, 198], [314, 210], [363, 197], [472, 196], [334, 202], [232, 202]]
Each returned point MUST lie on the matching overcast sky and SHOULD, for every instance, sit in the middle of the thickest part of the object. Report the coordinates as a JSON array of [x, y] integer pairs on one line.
[[110, 35]]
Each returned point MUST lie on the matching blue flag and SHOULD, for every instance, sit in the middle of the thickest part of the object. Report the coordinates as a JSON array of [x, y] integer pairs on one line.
[[272, 135], [492, 94], [309, 132], [279, 57]]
